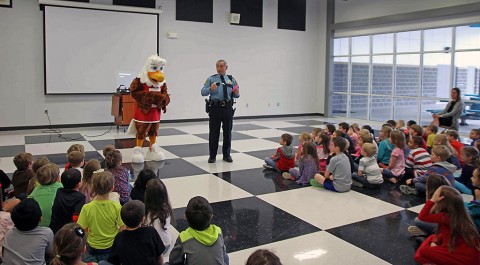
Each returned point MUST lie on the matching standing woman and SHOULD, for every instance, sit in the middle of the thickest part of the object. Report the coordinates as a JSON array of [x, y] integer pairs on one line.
[[452, 112]]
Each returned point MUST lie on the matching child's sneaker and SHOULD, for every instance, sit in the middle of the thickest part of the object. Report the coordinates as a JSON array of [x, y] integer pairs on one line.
[[357, 184], [416, 231], [315, 183], [408, 190], [267, 166], [287, 175]]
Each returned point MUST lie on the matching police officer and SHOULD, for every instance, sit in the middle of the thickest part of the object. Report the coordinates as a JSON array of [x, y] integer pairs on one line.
[[221, 88]]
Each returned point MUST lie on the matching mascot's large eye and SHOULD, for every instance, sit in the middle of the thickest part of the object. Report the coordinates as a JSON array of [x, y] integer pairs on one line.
[[154, 68], [161, 68]]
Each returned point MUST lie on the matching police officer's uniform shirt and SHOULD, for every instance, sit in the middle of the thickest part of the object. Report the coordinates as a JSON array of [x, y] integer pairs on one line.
[[218, 93]]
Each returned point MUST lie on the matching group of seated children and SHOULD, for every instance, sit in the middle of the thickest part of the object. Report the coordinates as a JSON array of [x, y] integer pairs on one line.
[[77, 217]]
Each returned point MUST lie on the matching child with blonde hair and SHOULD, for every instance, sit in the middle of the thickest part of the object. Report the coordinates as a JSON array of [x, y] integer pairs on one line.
[[430, 131], [302, 138], [38, 163], [101, 218], [396, 165], [49, 178], [120, 173], [369, 173], [308, 165], [441, 139], [457, 240]]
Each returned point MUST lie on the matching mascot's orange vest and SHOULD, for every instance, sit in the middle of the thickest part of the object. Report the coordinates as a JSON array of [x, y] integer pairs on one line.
[[153, 115]]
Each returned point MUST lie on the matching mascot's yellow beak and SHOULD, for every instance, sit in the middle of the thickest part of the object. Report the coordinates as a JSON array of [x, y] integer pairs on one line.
[[156, 77]]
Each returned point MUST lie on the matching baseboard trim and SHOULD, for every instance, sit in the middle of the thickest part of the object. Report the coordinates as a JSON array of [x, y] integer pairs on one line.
[[17, 128]]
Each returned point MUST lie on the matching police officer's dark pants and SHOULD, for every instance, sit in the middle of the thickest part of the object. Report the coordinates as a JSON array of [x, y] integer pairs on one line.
[[220, 116]]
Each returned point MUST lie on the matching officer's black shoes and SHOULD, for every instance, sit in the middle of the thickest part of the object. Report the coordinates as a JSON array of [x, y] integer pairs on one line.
[[211, 160], [228, 159]]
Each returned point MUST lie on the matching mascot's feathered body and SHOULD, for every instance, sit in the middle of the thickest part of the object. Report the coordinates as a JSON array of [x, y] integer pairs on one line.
[[149, 90]]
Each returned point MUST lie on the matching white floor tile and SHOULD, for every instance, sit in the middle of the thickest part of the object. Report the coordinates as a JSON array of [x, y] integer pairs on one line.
[[6, 164], [312, 249], [128, 152], [214, 189], [12, 140], [265, 133], [274, 124], [342, 208], [179, 140], [240, 161], [418, 208], [193, 129], [55, 148], [250, 145]]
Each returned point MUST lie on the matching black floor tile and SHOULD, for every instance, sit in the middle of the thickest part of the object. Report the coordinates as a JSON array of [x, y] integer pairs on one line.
[[169, 131], [53, 138], [61, 159], [235, 136], [118, 143], [385, 236], [261, 154], [259, 181], [189, 150], [179, 168], [295, 141], [309, 122], [298, 129], [135, 169], [11, 150], [250, 222], [391, 193], [247, 127]]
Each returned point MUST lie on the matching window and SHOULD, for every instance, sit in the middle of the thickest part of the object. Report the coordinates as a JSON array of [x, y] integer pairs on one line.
[[402, 75]]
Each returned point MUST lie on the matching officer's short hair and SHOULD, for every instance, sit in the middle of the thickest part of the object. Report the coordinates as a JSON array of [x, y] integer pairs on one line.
[[222, 61]]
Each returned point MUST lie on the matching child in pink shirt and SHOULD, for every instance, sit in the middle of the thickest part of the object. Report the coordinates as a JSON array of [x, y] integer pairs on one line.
[[396, 167]]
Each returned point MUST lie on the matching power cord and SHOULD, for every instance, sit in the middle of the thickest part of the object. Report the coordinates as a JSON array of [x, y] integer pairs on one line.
[[59, 132]]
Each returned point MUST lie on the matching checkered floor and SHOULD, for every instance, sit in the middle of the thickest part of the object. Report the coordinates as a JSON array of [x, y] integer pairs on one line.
[[255, 208]]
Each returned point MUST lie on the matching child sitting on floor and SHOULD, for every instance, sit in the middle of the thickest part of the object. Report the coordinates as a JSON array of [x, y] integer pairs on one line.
[[308, 164], [338, 176], [369, 173], [284, 158]]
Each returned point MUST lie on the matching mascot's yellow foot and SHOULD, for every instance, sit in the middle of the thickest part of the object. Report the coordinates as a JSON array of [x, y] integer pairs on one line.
[[155, 154], [137, 156]]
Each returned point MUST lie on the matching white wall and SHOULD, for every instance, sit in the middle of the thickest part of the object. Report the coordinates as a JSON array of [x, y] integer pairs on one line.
[[352, 10], [271, 65]]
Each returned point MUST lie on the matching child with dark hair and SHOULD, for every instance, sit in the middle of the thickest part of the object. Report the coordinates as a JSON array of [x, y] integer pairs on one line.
[[263, 257], [107, 149], [338, 176], [284, 158], [473, 207], [469, 155], [343, 127], [474, 136], [48, 177], [148, 246], [418, 161], [68, 202], [431, 130], [158, 211], [27, 242], [454, 141], [138, 191], [21, 177], [330, 129], [120, 174], [203, 240], [5, 183], [101, 218], [69, 245]]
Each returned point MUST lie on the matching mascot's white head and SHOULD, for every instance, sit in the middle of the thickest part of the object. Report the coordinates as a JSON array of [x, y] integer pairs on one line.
[[152, 72]]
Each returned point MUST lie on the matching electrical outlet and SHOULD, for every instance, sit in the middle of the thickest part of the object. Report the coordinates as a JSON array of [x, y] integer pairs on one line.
[[45, 111]]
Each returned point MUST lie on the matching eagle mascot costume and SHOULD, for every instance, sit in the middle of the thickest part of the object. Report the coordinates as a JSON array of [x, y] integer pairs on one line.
[[149, 90]]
